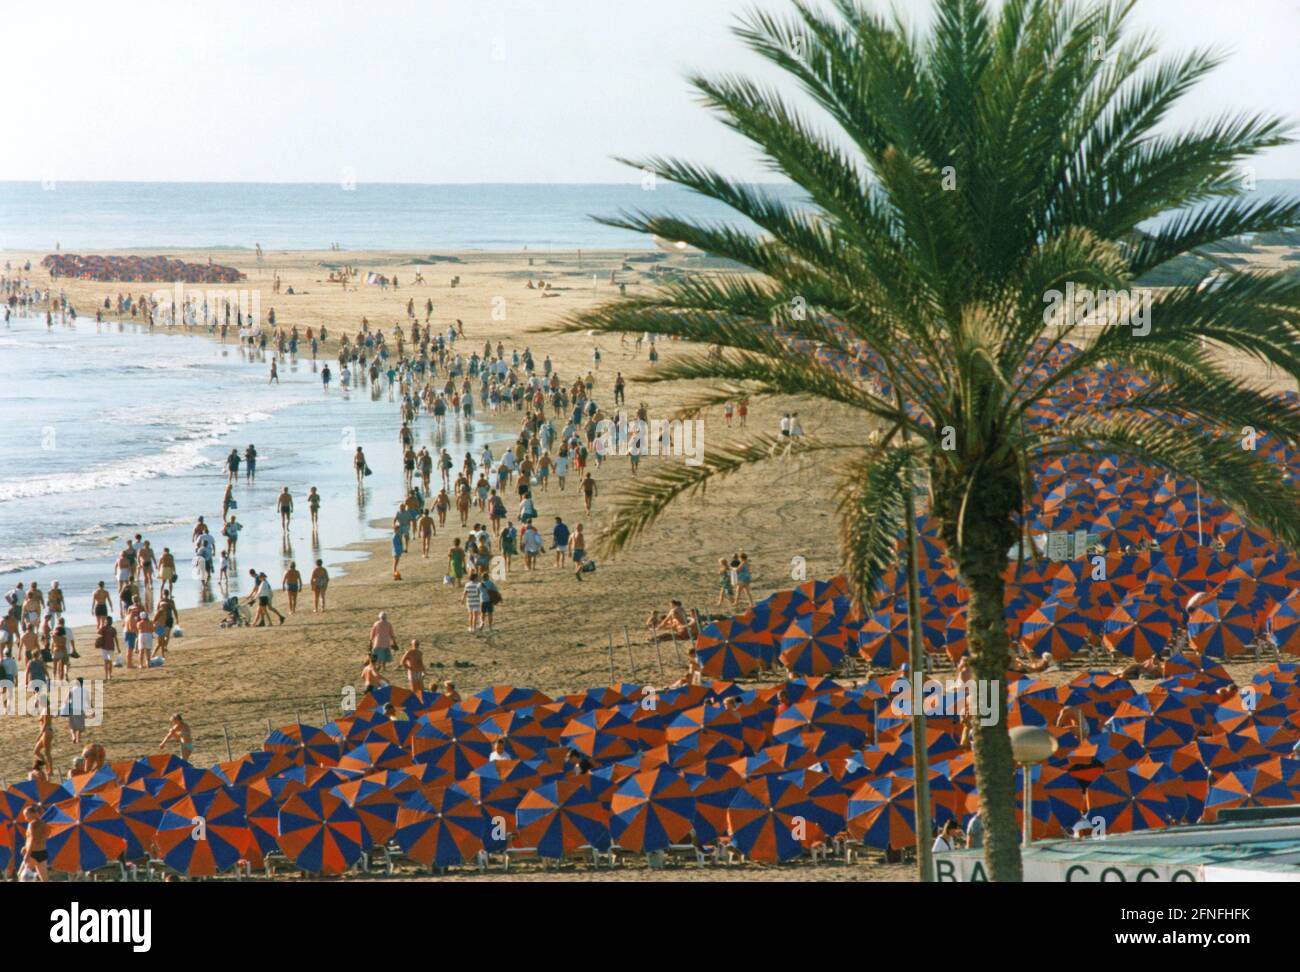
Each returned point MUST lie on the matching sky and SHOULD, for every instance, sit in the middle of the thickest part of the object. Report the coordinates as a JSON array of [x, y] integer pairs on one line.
[[440, 91]]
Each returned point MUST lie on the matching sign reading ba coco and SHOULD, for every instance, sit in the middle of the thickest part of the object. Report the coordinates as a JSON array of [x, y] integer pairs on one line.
[[954, 869]]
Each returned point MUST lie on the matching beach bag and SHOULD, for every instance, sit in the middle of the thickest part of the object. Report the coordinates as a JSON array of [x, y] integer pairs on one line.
[[494, 596], [234, 504], [369, 471], [156, 662], [587, 567], [177, 633]]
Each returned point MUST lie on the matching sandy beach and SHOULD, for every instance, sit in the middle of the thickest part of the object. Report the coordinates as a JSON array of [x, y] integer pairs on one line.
[[553, 633]]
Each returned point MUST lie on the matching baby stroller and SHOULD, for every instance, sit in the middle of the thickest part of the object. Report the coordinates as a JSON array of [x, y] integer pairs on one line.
[[237, 613]]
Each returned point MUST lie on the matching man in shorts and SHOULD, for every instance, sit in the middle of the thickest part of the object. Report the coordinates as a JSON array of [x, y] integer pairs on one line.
[[106, 642]]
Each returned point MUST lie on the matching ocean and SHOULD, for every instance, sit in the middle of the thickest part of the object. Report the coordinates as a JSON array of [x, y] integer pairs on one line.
[[93, 216], [282, 216], [112, 430]]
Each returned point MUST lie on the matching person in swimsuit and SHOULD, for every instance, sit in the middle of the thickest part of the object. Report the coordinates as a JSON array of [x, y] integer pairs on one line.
[[370, 676], [413, 661], [292, 584], [285, 504], [34, 853], [313, 504], [320, 581], [167, 570], [250, 464], [180, 732], [424, 526]]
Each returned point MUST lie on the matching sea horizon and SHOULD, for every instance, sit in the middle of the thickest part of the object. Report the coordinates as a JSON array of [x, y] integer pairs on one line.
[[356, 216]]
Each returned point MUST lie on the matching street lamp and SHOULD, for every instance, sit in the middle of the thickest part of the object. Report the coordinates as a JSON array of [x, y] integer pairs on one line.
[[1030, 745]]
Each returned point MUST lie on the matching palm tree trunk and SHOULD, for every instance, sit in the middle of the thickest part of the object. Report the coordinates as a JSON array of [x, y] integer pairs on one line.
[[989, 532], [994, 767]]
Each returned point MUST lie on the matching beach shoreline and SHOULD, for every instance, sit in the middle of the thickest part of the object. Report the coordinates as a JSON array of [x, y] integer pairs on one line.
[[555, 633]]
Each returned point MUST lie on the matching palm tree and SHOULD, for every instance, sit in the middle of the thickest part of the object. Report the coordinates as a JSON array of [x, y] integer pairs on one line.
[[957, 177]]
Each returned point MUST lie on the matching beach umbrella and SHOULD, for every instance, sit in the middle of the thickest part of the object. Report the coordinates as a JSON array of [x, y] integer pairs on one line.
[[213, 837], [497, 801], [603, 734], [770, 819], [883, 640], [1138, 628], [723, 656], [440, 826], [375, 799], [1056, 626], [142, 814], [651, 810], [509, 697], [372, 756], [559, 817], [1284, 622], [157, 765], [881, 812], [250, 767], [85, 834], [713, 786], [320, 833], [814, 644], [1252, 786], [80, 784], [1220, 628], [452, 745], [1126, 800]]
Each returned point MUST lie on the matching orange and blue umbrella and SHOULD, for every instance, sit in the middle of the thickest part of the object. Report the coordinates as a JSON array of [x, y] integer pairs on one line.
[[1221, 628], [651, 810], [440, 826], [771, 819], [320, 832], [376, 799], [814, 644], [882, 812], [1056, 626], [214, 837], [1138, 628], [723, 655], [1126, 801], [558, 818], [85, 833]]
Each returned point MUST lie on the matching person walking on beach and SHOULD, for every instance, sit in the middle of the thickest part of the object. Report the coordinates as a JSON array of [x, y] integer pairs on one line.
[[166, 570], [292, 584], [231, 530], [275, 374], [263, 594], [412, 661], [101, 605], [456, 562], [382, 638], [359, 464], [399, 545], [313, 506], [560, 541], [106, 642], [250, 464], [472, 598], [424, 526], [588, 491], [285, 504], [320, 582], [232, 466]]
